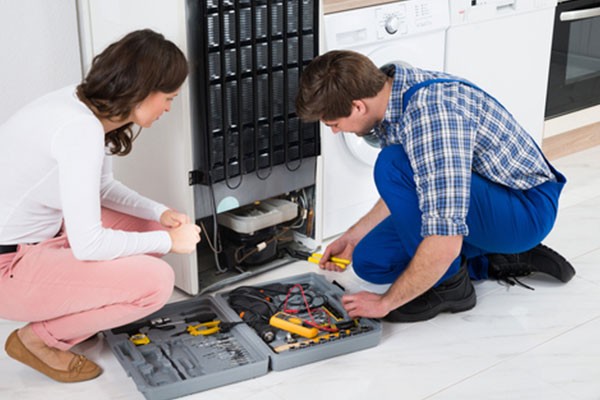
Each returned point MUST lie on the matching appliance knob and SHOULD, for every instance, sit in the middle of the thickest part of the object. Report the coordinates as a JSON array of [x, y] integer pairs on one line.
[[392, 24]]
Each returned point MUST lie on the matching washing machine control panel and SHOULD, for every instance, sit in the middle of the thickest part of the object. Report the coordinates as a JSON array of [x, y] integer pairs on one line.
[[405, 18], [391, 21]]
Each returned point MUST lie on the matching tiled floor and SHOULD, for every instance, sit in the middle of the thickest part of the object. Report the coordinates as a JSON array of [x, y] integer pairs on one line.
[[516, 344]]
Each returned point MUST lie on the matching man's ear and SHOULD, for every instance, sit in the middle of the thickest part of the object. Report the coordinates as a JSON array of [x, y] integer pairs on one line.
[[359, 106]]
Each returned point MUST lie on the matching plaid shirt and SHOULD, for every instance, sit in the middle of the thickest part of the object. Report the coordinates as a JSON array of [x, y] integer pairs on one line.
[[450, 130]]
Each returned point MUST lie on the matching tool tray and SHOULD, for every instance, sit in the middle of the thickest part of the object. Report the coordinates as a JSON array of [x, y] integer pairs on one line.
[[287, 352], [166, 361]]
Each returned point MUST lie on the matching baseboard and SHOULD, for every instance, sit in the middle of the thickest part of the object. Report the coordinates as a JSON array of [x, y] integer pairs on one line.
[[572, 141]]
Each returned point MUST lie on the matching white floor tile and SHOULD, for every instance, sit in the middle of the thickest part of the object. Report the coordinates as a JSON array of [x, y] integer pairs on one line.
[[577, 229], [564, 367]]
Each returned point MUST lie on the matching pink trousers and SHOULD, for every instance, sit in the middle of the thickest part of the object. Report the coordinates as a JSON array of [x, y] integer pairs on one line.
[[67, 300]]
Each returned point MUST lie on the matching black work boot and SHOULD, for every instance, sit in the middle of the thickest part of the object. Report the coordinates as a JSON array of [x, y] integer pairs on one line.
[[540, 259], [453, 295]]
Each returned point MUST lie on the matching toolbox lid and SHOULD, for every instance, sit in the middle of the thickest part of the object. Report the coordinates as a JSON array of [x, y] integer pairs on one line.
[[173, 363]]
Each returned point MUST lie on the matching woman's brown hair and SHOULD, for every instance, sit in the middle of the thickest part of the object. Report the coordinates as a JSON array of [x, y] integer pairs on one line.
[[124, 74], [331, 82]]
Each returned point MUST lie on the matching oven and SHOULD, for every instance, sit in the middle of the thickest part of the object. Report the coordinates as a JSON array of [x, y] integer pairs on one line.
[[574, 77]]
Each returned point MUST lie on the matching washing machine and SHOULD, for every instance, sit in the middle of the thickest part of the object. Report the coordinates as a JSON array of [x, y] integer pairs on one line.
[[410, 32], [503, 46]]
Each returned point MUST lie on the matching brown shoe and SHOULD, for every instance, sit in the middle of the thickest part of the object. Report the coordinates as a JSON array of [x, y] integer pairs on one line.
[[80, 368]]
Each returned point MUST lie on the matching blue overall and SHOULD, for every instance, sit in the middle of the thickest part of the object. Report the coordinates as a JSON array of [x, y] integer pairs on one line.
[[500, 219]]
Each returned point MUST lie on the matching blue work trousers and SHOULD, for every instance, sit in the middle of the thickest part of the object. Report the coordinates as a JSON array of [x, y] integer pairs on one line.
[[500, 220]]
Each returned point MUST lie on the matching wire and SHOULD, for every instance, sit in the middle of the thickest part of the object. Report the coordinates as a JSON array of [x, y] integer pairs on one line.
[[216, 245], [309, 310], [255, 304], [322, 327], [210, 244]]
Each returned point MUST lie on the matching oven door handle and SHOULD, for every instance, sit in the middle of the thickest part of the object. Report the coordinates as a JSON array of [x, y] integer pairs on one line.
[[580, 14]]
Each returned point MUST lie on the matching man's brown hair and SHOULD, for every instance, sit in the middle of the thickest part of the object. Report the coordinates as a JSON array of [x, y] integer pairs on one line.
[[124, 74], [332, 81]]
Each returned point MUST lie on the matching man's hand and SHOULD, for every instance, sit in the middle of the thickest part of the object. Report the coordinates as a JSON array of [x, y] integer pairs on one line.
[[344, 246], [173, 219], [365, 304], [341, 248]]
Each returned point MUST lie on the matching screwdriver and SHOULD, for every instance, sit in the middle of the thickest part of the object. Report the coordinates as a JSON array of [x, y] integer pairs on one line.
[[167, 323], [164, 323], [340, 262]]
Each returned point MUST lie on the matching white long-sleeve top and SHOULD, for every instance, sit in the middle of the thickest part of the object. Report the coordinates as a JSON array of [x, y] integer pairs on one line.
[[54, 167]]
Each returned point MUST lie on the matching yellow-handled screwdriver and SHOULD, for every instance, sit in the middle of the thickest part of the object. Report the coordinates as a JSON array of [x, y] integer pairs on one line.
[[340, 262]]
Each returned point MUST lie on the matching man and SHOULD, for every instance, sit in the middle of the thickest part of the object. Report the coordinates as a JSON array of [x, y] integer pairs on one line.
[[465, 191]]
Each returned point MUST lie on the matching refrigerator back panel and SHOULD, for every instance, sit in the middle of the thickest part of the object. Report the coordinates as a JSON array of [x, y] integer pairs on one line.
[[247, 57]]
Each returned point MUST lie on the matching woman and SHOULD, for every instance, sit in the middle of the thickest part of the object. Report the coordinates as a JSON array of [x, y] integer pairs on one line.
[[75, 243]]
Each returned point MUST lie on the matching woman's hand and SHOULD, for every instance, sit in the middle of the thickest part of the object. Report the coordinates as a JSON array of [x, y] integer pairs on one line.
[[173, 219], [184, 238]]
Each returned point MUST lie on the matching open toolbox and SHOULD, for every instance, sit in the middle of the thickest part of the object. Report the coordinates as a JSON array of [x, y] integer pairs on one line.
[[210, 341]]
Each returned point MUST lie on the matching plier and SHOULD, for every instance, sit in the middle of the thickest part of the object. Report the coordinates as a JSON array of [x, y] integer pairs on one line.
[[209, 328]]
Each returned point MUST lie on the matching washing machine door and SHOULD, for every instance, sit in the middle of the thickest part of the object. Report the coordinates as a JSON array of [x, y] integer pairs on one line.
[[366, 148]]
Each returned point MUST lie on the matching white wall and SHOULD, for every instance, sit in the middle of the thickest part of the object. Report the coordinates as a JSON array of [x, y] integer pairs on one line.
[[40, 50], [40, 47]]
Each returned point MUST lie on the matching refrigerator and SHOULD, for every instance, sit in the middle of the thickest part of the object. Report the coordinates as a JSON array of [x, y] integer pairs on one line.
[[231, 153]]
